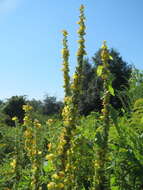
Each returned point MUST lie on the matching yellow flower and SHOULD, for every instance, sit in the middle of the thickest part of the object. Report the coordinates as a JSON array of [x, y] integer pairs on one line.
[[33, 152], [37, 124], [81, 7], [14, 118], [68, 99], [49, 121], [39, 152], [27, 133], [34, 167], [50, 156], [26, 118], [51, 185], [75, 76], [60, 185], [55, 176], [49, 146], [27, 108], [68, 166], [65, 52], [13, 163], [63, 141], [61, 174], [96, 164]]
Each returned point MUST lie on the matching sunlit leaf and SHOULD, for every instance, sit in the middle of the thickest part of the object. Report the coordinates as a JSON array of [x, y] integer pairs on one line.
[[111, 90], [110, 57], [99, 70]]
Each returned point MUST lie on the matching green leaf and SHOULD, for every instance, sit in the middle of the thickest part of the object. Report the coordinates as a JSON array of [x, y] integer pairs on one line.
[[48, 166], [115, 188], [110, 57], [112, 180], [99, 70], [111, 90]]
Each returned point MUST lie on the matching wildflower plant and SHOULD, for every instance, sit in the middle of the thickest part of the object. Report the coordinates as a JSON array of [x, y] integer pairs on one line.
[[61, 175], [32, 148], [65, 56], [16, 162], [78, 76], [70, 112], [102, 133]]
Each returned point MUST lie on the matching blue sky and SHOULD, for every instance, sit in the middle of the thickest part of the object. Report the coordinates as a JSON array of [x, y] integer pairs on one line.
[[30, 40]]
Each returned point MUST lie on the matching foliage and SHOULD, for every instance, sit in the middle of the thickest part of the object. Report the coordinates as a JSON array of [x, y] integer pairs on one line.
[[136, 85], [90, 99], [51, 105], [37, 105], [125, 152], [13, 107]]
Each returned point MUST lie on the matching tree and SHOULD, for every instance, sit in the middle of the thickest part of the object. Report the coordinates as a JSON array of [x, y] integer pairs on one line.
[[136, 85], [93, 87], [37, 105], [13, 107], [51, 105]]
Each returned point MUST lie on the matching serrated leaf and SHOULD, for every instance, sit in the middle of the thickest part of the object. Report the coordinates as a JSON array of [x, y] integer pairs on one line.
[[99, 70], [111, 90]]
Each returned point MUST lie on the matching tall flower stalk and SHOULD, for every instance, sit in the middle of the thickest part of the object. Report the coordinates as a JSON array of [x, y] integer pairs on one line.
[[81, 50], [32, 147], [58, 178], [65, 56], [101, 179], [17, 161]]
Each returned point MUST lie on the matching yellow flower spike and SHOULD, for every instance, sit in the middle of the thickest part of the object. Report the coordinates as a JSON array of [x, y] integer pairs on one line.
[[77, 83], [69, 112], [101, 160], [105, 56], [65, 69]]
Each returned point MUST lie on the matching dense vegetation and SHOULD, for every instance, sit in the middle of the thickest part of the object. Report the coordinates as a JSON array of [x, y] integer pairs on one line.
[[91, 141]]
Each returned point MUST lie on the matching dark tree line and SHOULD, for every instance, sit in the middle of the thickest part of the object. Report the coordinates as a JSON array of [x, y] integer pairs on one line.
[[90, 98], [14, 107]]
